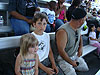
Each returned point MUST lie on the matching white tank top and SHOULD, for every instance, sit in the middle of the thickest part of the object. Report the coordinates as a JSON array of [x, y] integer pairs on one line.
[[44, 45]]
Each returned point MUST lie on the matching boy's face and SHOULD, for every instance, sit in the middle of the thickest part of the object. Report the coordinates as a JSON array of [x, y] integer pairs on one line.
[[40, 26]]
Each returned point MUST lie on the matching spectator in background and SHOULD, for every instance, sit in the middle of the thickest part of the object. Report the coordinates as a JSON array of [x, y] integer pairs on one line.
[[84, 26], [60, 13], [21, 13], [98, 15], [98, 12], [69, 1], [88, 4], [92, 38], [94, 14], [94, 10], [50, 12], [74, 5], [93, 20], [69, 44], [83, 5]]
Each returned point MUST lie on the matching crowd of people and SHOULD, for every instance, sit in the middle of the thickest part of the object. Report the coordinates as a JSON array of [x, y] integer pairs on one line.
[[36, 56]]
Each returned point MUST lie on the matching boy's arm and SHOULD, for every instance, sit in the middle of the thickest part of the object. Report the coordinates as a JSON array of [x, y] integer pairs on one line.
[[51, 57], [36, 65], [17, 65], [46, 69], [52, 60]]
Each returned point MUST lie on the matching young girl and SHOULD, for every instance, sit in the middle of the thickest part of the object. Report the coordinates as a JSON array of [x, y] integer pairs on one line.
[[46, 60], [27, 59], [92, 38]]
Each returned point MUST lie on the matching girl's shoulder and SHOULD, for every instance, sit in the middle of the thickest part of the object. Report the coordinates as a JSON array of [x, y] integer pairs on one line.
[[19, 58], [19, 55], [92, 33]]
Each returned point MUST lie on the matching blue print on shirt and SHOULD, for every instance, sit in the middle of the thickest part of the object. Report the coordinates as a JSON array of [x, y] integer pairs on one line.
[[51, 18]]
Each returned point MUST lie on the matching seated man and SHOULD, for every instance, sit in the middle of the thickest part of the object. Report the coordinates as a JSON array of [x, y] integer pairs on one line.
[[69, 44], [21, 14]]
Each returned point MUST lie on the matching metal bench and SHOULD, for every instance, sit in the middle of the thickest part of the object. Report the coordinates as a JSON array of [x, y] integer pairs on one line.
[[87, 49], [5, 30], [11, 42]]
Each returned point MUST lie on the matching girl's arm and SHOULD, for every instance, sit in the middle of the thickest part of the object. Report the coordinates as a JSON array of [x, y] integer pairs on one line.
[[92, 38], [52, 60], [17, 65], [36, 65]]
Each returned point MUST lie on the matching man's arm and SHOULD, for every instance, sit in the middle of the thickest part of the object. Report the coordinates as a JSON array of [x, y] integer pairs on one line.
[[19, 16], [80, 47], [61, 41], [12, 11]]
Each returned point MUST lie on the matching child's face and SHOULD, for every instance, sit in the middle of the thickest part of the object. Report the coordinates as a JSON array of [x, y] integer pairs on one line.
[[53, 7], [40, 26], [93, 28], [33, 49], [62, 1]]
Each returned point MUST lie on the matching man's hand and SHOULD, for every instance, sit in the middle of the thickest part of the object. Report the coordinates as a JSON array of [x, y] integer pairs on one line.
[[74, 64], [29, 21]]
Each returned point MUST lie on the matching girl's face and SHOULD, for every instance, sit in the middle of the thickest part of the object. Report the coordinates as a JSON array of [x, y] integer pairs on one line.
[[62, 1], [93, 28], [33, 49], [40, 26]]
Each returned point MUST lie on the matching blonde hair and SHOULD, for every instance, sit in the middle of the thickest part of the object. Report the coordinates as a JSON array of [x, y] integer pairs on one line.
[[26, 41]]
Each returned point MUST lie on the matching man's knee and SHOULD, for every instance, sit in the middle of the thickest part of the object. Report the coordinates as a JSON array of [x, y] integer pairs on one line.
[[82, 65], [70, 72], [67, 68]]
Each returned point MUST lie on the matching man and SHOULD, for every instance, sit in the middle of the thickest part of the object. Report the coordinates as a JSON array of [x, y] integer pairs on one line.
[[69, 44], [21, 14]]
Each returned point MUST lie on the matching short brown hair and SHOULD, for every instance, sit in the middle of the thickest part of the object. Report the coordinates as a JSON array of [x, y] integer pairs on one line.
[[40, 16]]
